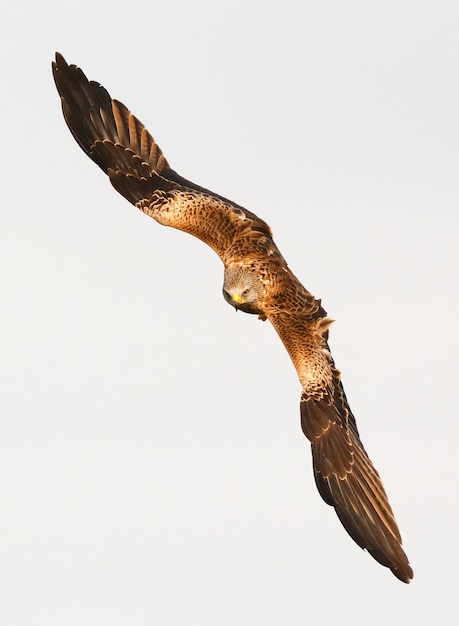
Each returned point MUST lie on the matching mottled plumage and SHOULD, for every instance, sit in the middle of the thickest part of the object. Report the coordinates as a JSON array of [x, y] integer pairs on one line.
[[257, 280]]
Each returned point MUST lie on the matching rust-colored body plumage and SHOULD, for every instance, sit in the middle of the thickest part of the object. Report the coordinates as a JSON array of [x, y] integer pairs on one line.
[[119, 143]]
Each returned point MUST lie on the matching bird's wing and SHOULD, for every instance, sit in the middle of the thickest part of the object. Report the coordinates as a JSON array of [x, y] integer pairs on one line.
[[124, 149], [344, 474]]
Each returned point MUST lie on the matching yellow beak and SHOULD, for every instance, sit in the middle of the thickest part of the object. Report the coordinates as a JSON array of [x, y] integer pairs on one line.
[[237, 299]]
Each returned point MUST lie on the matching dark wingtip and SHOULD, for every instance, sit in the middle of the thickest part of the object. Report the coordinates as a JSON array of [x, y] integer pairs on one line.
[[59, 62], [406, 575]]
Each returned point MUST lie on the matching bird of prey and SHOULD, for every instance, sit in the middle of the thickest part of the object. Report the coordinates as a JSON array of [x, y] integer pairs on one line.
[[257, 280]]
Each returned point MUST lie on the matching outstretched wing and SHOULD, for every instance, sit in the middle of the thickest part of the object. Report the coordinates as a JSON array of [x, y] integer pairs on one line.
[[344, 474], [124, 149]]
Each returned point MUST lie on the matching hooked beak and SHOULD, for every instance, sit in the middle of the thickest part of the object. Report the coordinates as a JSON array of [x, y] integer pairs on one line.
[[235, 301]]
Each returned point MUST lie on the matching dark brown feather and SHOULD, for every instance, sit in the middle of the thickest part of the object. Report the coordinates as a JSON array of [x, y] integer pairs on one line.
[[347, 480]]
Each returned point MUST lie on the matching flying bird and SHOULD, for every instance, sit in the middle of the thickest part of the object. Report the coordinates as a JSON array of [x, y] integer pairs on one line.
[[256, 280]]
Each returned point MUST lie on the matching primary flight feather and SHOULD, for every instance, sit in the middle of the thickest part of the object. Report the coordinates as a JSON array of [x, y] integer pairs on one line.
[[257, 280]]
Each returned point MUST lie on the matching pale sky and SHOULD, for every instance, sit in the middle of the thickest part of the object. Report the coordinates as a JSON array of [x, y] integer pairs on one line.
[[152, 465]]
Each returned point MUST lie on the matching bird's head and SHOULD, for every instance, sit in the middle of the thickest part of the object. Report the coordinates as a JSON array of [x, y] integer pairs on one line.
[[243, 289]]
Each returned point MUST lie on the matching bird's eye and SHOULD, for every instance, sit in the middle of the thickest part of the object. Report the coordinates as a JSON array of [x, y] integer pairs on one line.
[[245, 293]]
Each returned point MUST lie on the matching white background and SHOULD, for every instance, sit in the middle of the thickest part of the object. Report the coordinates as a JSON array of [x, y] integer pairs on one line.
[[152, 466]]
